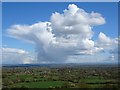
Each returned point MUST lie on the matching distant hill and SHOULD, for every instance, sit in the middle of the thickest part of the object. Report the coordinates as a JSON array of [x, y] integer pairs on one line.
[[62, 65]]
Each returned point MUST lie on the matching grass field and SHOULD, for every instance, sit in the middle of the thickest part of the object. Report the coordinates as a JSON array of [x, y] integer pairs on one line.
[[94, 79], [40, 77], [46, 84]]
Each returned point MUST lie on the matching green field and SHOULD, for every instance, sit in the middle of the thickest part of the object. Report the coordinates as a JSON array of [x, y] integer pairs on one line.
[[48, 84], [41, 77], [94, 79]]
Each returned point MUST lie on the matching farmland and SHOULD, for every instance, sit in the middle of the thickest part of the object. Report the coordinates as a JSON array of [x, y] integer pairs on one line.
[[60, 77]]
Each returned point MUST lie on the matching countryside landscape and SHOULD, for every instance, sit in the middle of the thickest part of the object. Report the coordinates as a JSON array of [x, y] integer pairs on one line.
[[60, 76], [60, 45]]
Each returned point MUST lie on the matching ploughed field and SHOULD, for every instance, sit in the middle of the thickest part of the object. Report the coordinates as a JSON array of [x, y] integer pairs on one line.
[[60, 77]]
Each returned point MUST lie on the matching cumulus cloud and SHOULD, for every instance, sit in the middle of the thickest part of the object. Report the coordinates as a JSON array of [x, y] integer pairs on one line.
[[15, 56], [107, 43], [67, 34], [75, 21]]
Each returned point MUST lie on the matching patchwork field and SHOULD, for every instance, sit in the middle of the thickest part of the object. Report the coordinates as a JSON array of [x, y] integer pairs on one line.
[[60, 77]]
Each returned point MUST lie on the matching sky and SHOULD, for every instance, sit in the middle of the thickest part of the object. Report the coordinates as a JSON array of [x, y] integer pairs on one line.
[[59, 32], [0, 33]]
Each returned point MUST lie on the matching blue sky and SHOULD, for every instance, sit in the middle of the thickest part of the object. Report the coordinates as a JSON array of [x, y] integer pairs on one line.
[[30, 13], [1, 24]]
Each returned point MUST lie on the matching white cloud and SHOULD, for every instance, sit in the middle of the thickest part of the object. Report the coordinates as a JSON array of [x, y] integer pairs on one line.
[[14, 50], [15, 56], [103, 40], [67, 34], [107, 43]]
